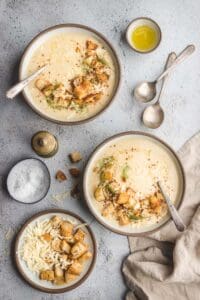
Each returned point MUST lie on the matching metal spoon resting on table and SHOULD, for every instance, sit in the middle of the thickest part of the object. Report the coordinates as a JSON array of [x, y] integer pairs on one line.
[[173, 211], [153, 115], [146, 91], [17, 88]]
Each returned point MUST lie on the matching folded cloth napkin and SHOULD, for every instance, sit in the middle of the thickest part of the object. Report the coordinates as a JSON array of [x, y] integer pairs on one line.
[[166, 264]]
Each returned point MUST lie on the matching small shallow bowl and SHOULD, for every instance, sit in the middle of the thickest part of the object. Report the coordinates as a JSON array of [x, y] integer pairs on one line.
[[33, 279], [47, 180], [140, 22], [88, 187], [42, 37]]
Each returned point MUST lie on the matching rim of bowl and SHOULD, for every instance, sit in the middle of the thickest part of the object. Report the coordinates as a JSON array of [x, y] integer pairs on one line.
[[49, 176], [118, 68], [158, 28], [92, 210], [37, 286]]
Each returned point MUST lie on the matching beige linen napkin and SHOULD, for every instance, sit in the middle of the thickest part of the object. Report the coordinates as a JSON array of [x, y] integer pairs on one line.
[[166, 265]]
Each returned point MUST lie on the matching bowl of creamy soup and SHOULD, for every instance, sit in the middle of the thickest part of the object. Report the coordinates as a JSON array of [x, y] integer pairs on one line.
[[81, 77], [120, 183]]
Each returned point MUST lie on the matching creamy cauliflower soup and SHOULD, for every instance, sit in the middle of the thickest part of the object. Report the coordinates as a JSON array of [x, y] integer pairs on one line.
[[79, 80], [122, 181]]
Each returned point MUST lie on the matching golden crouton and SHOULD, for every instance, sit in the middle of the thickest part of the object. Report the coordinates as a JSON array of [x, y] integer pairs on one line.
[[106, 176], [58, 272], [46, 237], [41, 83], [99, 194], [74, 172], [82, 90], [109, 209], [59, 281], [154, 202], [66, 228], [91, 45], [103, 77], [75, 156], [55, 221], [69, 277], [60, 176], [65, 247], [79, 235], [59, 91], [47, 275], [75, 268], [122, 218], [78, 249], [48, 90], [55, 244], [92, 98], [85, 257], [70, 239], [123, 198]]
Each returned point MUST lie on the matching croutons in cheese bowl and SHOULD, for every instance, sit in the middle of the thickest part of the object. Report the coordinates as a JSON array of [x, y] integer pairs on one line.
[[121, 183], [81, 77], [55, 251]]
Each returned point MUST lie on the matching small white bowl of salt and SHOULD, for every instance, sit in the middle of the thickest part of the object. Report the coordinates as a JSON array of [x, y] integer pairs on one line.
[[28, 181]]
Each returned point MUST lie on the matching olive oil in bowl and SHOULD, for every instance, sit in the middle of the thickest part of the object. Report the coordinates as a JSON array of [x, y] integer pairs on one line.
[[143, 35]]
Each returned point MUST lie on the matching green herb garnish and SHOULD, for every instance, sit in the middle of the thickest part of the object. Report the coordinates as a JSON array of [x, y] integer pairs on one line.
[[125, 171], [133, 217]]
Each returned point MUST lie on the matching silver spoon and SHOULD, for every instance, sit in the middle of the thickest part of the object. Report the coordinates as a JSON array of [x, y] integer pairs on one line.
[[17, 88], [146, 91], [153, 115], [173, 211]]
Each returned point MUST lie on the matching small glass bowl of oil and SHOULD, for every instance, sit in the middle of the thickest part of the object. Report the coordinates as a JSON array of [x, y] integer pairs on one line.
[[143, 35]]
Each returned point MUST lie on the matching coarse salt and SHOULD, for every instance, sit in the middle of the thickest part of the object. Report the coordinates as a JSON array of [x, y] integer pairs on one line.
[[28, 181]]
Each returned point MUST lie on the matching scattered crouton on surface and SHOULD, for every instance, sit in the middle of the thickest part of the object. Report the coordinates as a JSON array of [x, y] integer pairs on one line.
[[60, 176], [74, 172], [75, 156]]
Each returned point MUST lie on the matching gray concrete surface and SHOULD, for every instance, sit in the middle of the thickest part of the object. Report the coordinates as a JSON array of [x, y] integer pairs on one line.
[[19, 22]]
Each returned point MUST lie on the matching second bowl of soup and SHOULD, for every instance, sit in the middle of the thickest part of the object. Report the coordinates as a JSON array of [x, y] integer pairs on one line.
[[120, 183]]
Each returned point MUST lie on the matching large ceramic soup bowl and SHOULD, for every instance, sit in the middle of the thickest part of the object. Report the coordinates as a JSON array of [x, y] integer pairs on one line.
[[81, 77], [120, 183]]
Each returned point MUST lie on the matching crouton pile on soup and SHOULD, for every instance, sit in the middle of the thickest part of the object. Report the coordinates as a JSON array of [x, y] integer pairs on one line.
[[56, 250], [79, 79]]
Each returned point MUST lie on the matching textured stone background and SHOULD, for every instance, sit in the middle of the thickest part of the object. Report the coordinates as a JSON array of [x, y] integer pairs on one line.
[[20, 21]]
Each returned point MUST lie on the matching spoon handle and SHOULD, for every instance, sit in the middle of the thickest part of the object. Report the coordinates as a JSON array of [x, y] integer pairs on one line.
[[17, 88], [181, 57], [173, 211], [170, 60]]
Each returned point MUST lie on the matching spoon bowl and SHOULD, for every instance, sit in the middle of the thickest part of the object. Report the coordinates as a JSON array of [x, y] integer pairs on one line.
[[153, 116], [145, 91]]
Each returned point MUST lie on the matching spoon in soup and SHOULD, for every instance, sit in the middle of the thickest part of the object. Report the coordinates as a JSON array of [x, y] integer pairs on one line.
[[17, 88], [153, 115], [173, 211], [146, 91]]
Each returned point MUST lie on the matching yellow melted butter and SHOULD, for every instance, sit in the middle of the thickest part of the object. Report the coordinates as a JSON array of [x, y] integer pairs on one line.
[[144, 38]]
